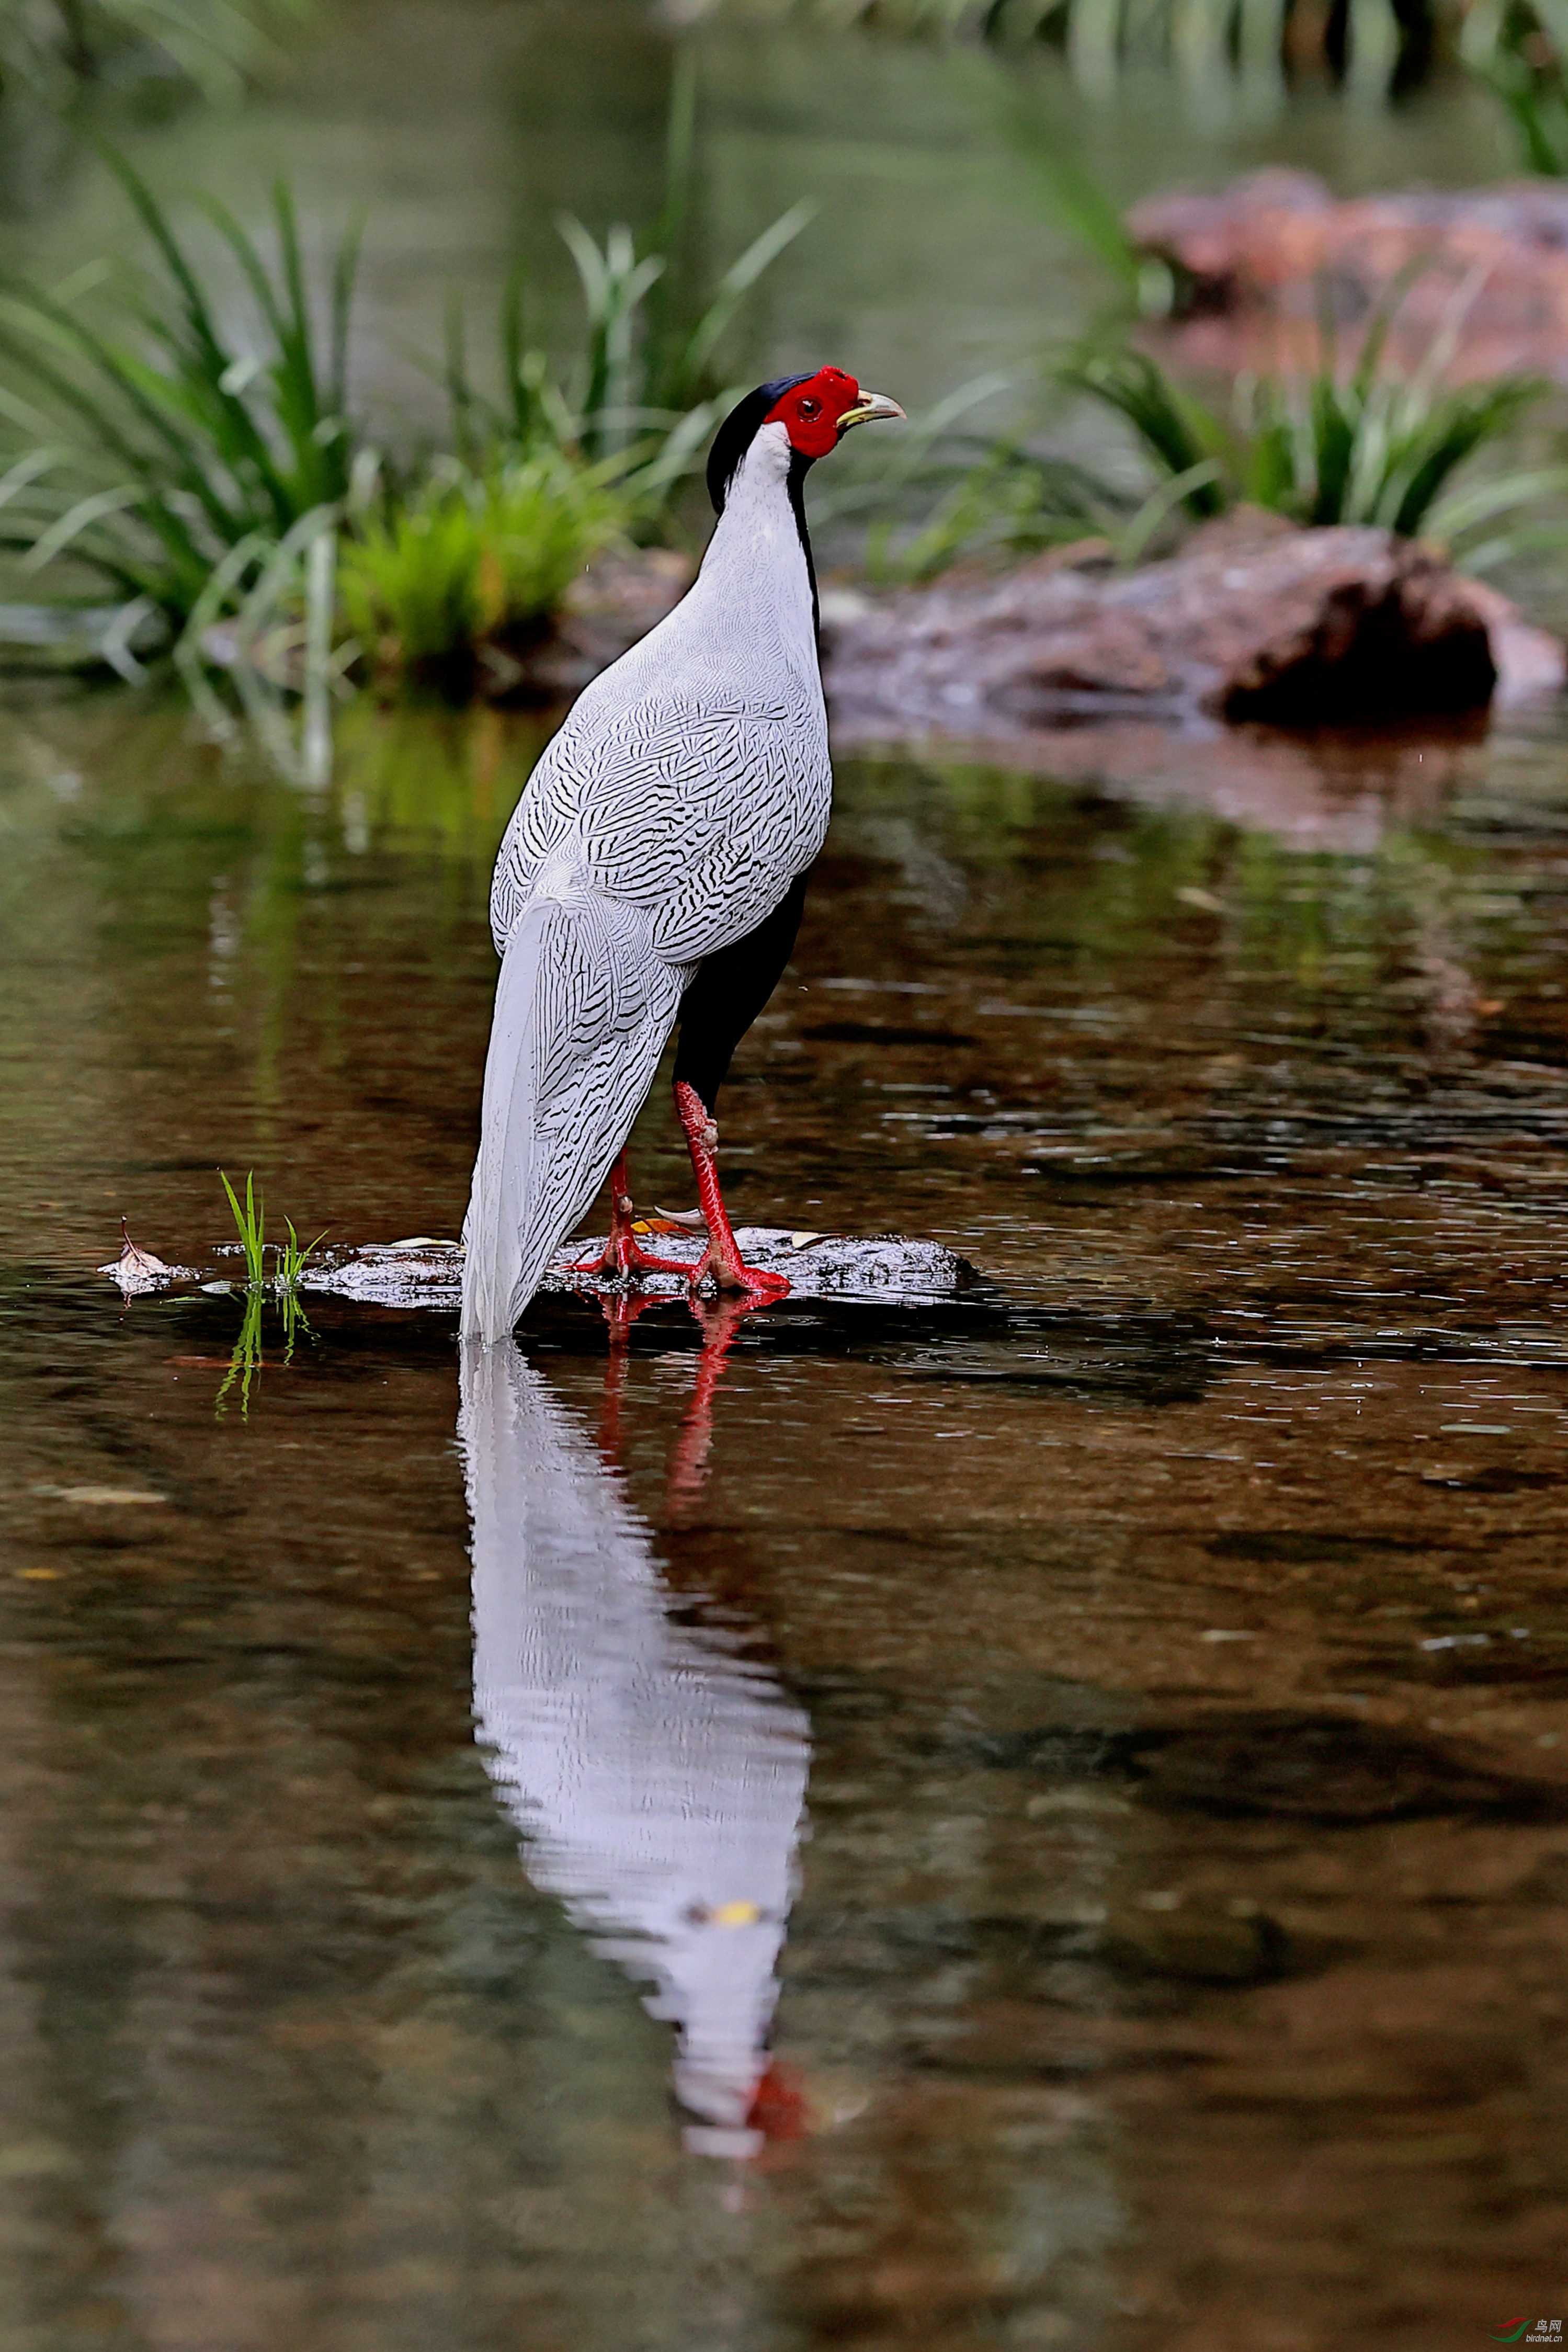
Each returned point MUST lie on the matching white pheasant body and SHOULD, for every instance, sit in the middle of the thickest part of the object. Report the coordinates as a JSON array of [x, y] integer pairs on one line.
[[686, 792]]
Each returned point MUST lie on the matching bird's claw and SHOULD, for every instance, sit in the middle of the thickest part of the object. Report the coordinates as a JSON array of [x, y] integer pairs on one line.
[[730, 1279], [623, 1262]]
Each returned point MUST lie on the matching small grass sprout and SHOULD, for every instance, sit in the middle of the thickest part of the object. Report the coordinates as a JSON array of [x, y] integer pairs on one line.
[[289, 1261], [293, 1256], [250, 1224]]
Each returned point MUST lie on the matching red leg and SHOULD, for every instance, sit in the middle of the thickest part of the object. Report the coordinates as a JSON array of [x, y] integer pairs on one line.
[[624, 1257], [723, 1258]]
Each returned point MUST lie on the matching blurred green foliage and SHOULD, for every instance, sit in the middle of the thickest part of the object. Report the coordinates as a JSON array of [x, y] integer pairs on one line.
[[50, 47], [471, 564]]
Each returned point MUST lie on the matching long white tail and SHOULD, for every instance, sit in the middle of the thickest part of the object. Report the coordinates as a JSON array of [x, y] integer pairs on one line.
[[582, 1009]]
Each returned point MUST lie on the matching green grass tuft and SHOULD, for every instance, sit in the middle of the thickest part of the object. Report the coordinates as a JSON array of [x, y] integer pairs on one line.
[[289, 1261], [250, 1224], [473, 560], [293, 1257]]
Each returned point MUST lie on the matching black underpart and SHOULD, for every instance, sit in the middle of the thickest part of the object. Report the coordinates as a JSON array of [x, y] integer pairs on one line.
[[728, 991]]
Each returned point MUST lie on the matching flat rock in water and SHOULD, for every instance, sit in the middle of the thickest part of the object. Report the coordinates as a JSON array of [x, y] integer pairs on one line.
[[1253, 619], [424, 1273], [816, 1265], [417, 1273]]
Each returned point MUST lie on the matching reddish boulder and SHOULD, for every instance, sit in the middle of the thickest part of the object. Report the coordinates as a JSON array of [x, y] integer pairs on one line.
[[1275, 243]]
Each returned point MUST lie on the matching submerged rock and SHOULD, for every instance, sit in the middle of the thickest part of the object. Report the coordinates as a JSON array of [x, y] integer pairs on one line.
[[1253, 619], [424, 1273]]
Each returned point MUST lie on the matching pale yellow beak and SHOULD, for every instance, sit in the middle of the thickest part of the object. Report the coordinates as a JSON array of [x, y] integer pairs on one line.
[[867, 409]]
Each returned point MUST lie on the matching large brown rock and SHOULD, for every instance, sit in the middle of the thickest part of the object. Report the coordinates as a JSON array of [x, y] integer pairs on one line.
[[1254, 619]]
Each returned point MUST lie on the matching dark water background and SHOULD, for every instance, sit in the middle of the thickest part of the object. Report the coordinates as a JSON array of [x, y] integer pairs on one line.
[[1178, 1952]]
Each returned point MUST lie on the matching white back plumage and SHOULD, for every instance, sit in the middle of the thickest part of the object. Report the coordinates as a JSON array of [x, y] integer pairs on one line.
[[655, 1778], [687, 789]]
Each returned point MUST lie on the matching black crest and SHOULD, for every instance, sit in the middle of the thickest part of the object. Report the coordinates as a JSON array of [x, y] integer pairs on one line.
[[738, 431]]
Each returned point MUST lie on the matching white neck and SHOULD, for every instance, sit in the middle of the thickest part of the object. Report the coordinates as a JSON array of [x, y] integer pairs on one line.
[[756, 567]]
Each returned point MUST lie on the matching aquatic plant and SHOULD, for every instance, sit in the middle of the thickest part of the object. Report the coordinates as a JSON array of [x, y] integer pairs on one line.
[[289, 1258], [215, 480], [289, 1261], [473, 562], [293, 1256], [250, 1222], [1370, 444], [181, 453], [1373, 445]]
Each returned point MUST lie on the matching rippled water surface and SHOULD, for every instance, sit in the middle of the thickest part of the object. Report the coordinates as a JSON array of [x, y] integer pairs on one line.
[[1150, 1812]]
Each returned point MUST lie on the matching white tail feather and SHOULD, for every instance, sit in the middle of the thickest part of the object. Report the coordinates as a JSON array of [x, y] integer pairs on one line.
[[582, 1009], [493, 1228]]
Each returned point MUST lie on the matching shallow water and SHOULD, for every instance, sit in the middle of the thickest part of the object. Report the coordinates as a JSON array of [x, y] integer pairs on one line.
[[1169, 1945]]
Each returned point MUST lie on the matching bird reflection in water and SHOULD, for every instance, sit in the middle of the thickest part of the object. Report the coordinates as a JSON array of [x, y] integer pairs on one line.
[[657, 1777]]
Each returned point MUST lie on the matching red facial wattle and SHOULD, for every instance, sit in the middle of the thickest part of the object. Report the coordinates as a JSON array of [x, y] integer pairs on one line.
[[810, 412]]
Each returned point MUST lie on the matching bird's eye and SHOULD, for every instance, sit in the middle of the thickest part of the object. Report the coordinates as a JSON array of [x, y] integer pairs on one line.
[[809, 407]]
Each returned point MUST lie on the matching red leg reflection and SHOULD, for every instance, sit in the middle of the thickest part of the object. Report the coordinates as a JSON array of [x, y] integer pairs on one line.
[[624, 1259], [688, 1456], [723, 1258], [620, 1309], [778, 2108]]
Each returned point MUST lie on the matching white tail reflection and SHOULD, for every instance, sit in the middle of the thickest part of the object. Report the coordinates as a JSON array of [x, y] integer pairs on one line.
[[658, 1779]]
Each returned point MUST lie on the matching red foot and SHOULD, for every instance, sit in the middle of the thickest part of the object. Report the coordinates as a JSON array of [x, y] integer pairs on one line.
[[723, 1259], [623, 1258]]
